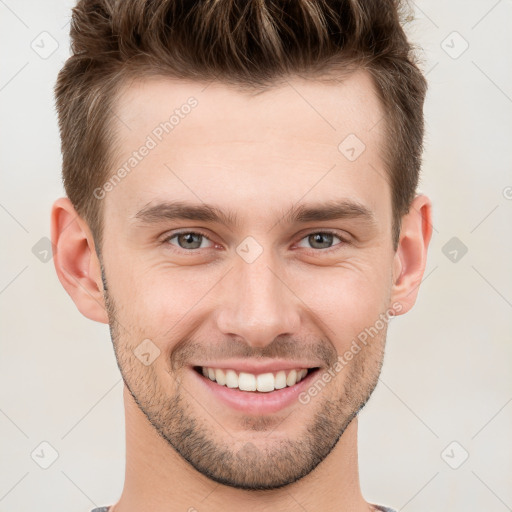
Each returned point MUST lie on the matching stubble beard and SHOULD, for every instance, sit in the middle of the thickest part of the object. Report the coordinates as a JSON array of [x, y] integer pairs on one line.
[[265, 464]]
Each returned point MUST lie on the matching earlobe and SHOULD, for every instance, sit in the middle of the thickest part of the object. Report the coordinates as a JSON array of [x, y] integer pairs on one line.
[[76, 262], [411, 255]]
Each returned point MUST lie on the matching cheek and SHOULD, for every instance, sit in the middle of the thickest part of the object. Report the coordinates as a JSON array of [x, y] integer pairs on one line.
[[160, 301], [346, 299], [157, 299]]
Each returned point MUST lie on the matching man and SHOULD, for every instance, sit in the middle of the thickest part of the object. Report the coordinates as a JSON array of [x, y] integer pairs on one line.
[[242, 210]]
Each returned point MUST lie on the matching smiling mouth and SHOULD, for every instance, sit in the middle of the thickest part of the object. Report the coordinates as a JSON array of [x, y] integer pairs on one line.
[[258, 383]]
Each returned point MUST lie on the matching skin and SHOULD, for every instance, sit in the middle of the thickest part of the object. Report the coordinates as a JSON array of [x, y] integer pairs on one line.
[[256, 156]]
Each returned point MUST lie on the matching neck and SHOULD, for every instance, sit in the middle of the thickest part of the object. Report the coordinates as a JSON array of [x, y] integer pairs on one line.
[[157, 478]]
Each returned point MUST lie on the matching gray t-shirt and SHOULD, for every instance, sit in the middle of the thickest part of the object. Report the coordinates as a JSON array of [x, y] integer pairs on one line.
[[379, 507]]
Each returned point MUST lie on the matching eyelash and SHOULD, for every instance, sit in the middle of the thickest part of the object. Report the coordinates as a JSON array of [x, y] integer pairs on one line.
[[335, 247]]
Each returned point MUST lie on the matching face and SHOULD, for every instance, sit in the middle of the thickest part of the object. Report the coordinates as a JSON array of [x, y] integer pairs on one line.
[[244, 245]]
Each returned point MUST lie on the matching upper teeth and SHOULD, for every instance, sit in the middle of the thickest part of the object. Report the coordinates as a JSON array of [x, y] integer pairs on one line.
[[264, 382]]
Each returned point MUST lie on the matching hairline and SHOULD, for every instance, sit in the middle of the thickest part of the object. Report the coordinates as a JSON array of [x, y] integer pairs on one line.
[[333, 73]]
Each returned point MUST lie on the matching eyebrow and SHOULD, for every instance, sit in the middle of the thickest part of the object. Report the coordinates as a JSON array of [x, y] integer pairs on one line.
[[297, 214]]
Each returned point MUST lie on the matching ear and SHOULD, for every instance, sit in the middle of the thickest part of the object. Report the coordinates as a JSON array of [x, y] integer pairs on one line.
[[76, 262], [411, 255]]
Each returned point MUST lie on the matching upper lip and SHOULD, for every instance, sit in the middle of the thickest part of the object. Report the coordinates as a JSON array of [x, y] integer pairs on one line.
[[255, 367]]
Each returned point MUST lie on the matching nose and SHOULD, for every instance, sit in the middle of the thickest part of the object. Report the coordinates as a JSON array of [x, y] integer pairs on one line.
[[255, 302]]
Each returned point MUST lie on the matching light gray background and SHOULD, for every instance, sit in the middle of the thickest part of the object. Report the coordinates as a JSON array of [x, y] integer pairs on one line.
[[448, 369]]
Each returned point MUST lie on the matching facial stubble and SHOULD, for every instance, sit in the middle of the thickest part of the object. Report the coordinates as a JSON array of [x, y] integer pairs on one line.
[[241, 463]]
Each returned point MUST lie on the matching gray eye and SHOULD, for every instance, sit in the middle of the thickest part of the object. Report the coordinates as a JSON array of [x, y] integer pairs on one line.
[[188, 240], [320, 240]]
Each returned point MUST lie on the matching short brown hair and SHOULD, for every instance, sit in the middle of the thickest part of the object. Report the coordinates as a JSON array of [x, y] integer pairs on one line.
[[252, 44]]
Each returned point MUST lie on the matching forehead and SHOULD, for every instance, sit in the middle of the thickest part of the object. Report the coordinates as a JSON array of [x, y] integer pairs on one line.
[[301, 137], [298, 105]]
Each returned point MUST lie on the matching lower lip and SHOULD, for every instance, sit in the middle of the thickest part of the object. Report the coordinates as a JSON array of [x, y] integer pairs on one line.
[[254, 402]]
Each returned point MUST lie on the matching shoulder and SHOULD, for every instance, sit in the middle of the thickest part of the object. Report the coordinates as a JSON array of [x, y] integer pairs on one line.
[[382, 508]]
